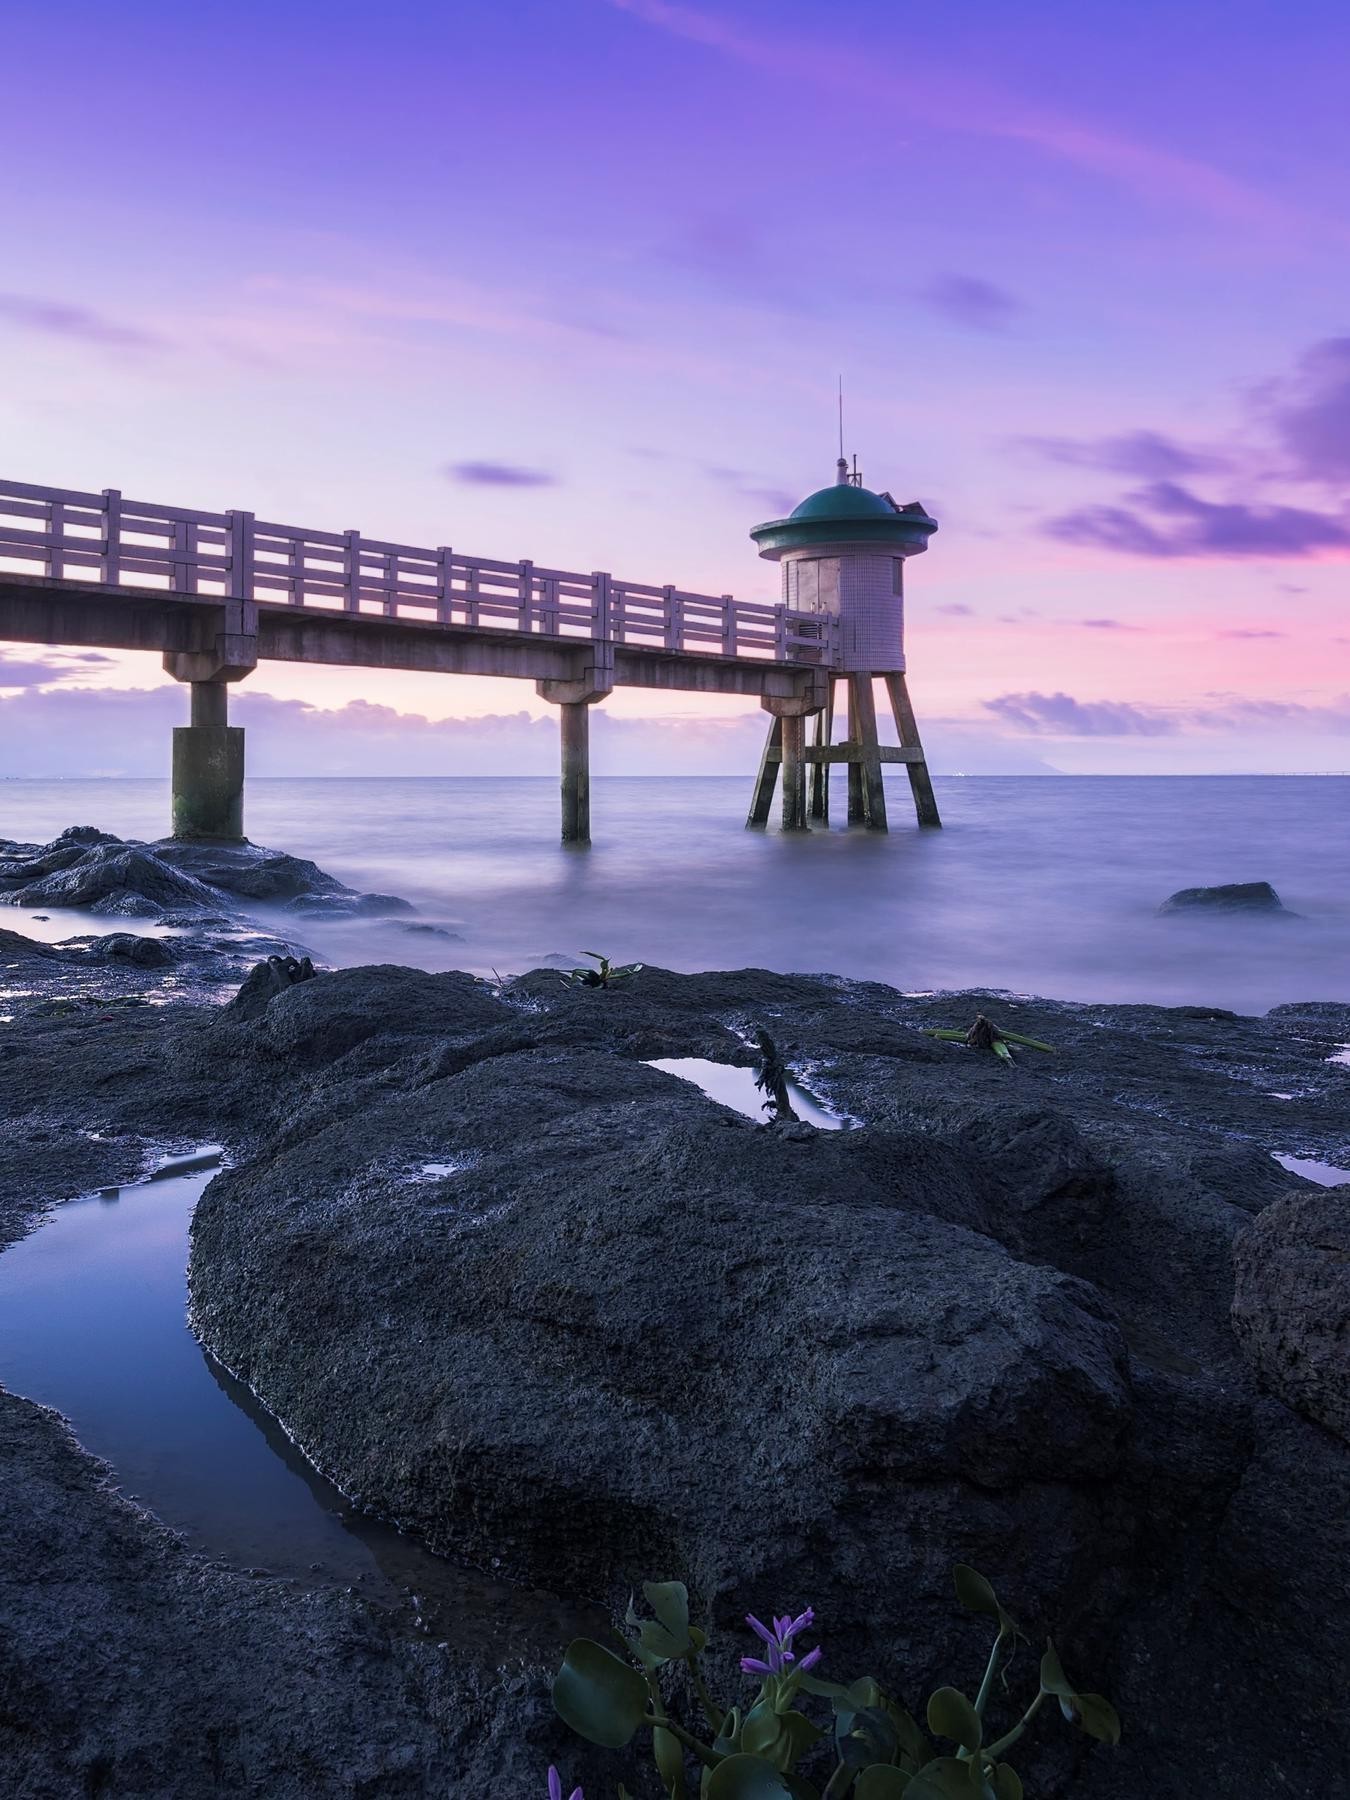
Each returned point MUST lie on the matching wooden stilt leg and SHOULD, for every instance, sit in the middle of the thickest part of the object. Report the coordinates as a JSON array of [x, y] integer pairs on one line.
[[820, 772], [874, 794], [794, 774], [921, 786], [767, 779], [857, 807]]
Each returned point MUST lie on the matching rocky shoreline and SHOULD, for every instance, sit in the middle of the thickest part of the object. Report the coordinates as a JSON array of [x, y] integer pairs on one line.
[[620, 1331]]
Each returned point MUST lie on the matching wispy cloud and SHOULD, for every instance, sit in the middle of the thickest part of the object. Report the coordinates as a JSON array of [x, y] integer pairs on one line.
[[955, 610], [1251, 633], [1063, 716], [1310, 411], [971, 301], [498, 474], [1153, 455], [57, 318], [926, 92], [1183, 524], [38, 670], [1109, 625], [1060, 715]]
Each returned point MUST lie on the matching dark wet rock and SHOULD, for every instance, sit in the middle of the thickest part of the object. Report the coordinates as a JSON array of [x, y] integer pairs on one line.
[[320, 1022], [635, 1334], [88, 869], [109, 869], [143, 952], [264, 982], [123, 903], [248, 870], [1291, 1305], [349, 906], [135, 1670], [1237, 896]]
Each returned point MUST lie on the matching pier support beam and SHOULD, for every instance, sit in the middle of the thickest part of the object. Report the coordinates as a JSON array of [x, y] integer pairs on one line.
[[920, 784], [786, 749], [574, 699], [574, 718], [819, 806], [208, 769], [208, 753]]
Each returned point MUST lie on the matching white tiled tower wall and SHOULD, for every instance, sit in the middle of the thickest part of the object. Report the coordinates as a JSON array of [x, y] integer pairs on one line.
[[866, 589]]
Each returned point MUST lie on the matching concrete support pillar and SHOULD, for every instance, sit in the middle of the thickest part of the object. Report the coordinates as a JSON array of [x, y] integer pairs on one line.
[[786, 748], [575, 733], [857, 806], [874, 793], [762, 800], [219, 645], [208, 769], [794, 774], [920, 784], [574, 698], [819, 774]]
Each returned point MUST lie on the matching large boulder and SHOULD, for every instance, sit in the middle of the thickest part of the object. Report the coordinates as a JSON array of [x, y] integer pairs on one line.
[[633, 1334], [1291, 1303]]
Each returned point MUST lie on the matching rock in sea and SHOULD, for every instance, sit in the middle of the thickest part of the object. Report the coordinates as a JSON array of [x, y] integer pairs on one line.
[[1235, 896]]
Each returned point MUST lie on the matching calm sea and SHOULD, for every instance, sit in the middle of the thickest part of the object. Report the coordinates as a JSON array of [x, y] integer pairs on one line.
[[1038, 885]]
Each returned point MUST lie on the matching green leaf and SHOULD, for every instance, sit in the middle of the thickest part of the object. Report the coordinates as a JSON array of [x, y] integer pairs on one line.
[[747, 1778], [600, 1697], [797, 1736], [1006, 1782], [1001, 1049], [951, 1715], [1053, 1678], [1015, 1037], [945, 1779], [974, 1592], [669, 1600], [867, 1736], [759, 1734], [881, 1781], [729, 1738], [1097, 1717], [669, 1761], [912, 1743]]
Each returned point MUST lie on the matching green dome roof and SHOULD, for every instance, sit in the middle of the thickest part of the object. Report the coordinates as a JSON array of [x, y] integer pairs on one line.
[[843, 502], [851, 514]]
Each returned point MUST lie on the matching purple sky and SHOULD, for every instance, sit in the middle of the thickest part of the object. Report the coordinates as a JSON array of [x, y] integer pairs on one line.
[[574, 280]]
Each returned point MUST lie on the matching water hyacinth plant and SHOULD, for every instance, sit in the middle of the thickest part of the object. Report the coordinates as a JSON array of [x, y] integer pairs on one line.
[[605, 974], [869, 1748], [985, 1035]]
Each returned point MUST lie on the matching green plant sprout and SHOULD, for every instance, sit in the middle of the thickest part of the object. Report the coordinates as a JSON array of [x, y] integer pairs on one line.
[[606, 974], [879, 1750], [985, 1035]]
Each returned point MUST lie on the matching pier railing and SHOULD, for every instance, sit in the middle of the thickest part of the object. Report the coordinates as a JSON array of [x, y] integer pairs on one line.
[[115, 541]]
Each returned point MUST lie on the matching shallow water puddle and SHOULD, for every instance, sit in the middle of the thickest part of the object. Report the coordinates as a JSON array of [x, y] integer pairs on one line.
[[734, 1086], [1327, 1174], [93, 1322]]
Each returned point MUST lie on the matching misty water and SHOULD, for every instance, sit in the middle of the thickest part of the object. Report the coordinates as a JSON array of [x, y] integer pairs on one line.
[[1038, 884]]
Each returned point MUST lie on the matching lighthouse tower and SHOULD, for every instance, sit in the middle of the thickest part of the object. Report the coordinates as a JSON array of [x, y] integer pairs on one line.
[[843, 553]]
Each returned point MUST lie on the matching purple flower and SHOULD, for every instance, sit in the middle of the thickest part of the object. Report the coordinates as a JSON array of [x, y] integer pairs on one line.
[[555, 1787], [779, 1645]]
